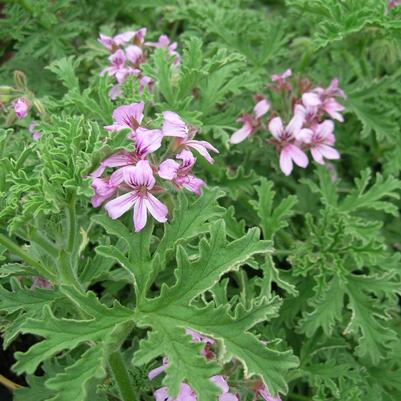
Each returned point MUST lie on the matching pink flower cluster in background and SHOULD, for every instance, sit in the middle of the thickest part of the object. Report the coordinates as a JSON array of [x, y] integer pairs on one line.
[[138, 175], [128, 52], [311, 127], [393, 3]]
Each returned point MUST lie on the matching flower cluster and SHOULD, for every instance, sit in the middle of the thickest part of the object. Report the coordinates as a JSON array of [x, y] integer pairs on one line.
[[136, 169], [128, 52], [308, 129], [393, 3]]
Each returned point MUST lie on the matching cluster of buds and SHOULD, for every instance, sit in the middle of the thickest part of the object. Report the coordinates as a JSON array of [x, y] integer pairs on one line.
[[309, 129], [187, 394], [137, 171], [128, 52]]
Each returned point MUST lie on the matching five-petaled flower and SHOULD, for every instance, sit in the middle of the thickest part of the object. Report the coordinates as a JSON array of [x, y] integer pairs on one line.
[[285, 139], [141, 181], [250, 122], [174, 126]]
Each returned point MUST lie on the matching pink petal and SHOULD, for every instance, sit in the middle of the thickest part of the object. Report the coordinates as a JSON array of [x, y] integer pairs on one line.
[[127, 116], [286, 161], [325, 129], [298, 156], [304, 135], [328, 152], [162, 394], [317, 155], [191, 183], [220, 382], [295, 124], [201, 147], [261, 108], [241, 134], [276, 127], [140, 175], [118, 206], [173, 125], [134, 53], [147, 140], [188, 159], [168, 169], [228, 397], [156, 208], [311, 99], [140, 214]]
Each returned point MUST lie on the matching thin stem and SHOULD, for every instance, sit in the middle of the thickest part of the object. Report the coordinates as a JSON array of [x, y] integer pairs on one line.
[[16, 250], [9, 384], [121, 377], [71, 222]]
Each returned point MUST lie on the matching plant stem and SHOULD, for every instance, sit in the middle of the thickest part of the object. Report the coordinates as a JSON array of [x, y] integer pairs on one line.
[[121, 377], [71, 222], [7, 383], [16, 250]]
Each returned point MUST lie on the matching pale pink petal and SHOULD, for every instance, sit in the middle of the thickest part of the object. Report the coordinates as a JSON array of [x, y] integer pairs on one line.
[[241, 134], [276, 127], [328, 152], [261, 108], [106, 41], [147, 140], [115, 92], [168, 169], [201, 147], [311, 99], [124, 37], [118, 206], [220, 382], [295, 124], [140, 175], [317, 155], [298, 156], [21, 108], [140, 214], [188, 159], [304, 135], [286, 165], [228, 397], [162, 394], [127, 116], [156, 208], [134, 53], [267, 396], [157, 371], [191, 183], [325, 129], [173, 125]]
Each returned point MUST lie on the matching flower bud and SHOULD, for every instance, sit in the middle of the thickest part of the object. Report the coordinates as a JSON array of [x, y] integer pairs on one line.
[[21, 107], [20, 79], [39, 106]]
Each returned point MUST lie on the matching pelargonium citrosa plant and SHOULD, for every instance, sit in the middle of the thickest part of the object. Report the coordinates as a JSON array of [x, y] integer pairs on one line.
[[199, 200]]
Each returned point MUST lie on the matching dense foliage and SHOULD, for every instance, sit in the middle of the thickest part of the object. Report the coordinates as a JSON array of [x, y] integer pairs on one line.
[[199, 199]]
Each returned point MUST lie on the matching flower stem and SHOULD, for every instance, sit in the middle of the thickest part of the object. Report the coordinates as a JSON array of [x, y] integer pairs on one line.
[[71, 222], [7, 383], [121, 377]]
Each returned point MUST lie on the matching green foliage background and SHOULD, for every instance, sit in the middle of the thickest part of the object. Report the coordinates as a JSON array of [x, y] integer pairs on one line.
[[310, 265]]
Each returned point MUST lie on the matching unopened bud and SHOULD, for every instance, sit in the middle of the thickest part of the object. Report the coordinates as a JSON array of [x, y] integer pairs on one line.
[[20, 79], [39, 106]]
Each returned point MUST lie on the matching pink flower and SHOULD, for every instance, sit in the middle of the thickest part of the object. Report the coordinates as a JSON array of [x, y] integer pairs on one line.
[[134, 54], [281, 80], [164, 43], [179, 173], [39, 282], [35, 133], [112, 43], [140, 179], [129, 116], [115, 92], [308, 113], [324, 100], [174, 126], [196, 337], [118, 68], [320, 140], [285, 140], [251, 123], [147, 141], [21, 107]]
